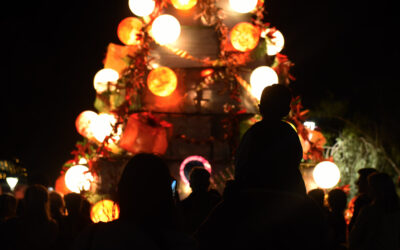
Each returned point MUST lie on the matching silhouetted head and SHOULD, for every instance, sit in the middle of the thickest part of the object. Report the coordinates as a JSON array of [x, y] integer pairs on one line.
[[8, 206], [337, 200], [383, 191], [362, 181], [275, 101], [57, 204], [199, 179], [144, 189], [37, 202], [318, 195], [73, 203]]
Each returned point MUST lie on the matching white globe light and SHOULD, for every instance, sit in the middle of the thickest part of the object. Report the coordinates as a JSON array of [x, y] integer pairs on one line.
[[326, 174], [165, 29], [276, 43], [78, 178], [141, 7], [103, 126], [102, 79], [260, 78], [243, 6], [12, 182]]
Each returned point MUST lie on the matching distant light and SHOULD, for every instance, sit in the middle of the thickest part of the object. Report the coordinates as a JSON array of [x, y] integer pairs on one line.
[[309, 124], [243, 6], [183, 4], [104, 211], [165, 29], [260, 78], [274, 44], [105, 79], [142, 7], [12, 182], [78, 178], [198, 158], [326, 174]]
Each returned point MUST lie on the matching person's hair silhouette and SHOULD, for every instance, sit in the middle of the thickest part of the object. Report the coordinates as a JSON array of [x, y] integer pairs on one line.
[[199, 179], [275, 101]]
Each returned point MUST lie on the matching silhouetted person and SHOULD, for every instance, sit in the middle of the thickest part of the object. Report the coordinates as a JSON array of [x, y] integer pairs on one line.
[[8, 207], [148, 217], [318, 195], [362, 199], [35, 229], [270, 151], [201, 201], [57, 207], [378, 224], [337, 201]]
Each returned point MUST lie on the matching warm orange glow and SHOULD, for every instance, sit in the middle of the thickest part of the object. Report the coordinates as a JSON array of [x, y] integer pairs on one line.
[[183, 4], [60, 186], [104, 211], [162, 81], [129, 30], [206, 72], [84, 123], [244, 36]]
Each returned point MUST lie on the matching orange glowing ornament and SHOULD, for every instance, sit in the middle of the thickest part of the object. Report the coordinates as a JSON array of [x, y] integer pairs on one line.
[[129, 30], [244, 36], [162, 81], [104, 211], [183, 4]]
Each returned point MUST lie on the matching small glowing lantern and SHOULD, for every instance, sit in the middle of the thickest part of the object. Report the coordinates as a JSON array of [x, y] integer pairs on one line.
[[165, 29], [12, 182], [142, 7], [129, 29], [105, 79], [326, 174], [78, 178], [260, 78], [162, 81], [244, 36], [183, 4], [194, 158], [243, 6], [104, 211], [84, 123], [103, 126], [275, 41]]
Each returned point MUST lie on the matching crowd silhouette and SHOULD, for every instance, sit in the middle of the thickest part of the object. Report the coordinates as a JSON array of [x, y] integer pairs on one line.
[[265, 206]]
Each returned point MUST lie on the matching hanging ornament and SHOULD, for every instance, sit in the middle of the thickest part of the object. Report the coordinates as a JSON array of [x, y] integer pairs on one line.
[[274, 39], [83, 123], [105, 79], [129, 31], [243, 6], [244, 36], [78, 178], [162, 81], [104, 211], [142, 7], [165, 29], [326, 174], [183, 4], [260, 78]]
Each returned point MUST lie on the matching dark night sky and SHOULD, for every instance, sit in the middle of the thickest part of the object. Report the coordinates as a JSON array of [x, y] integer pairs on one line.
[[343, 49]]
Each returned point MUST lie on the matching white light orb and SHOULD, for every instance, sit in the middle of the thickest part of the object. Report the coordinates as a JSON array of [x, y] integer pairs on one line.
[[104, 79], [165, 29], [142, 7], [276, 43], [12, 182], [103, 126], [78, 178], [326, 174], [243, 6], [260, 78]]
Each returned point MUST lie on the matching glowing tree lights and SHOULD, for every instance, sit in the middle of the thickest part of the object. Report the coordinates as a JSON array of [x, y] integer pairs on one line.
[[326, 174], [162, 81], [243, 6], [142, 7], [104, 211], [260, 78], [244, 36], [105, 79], [275, 41], [165, 29], [129, 30], [183, 4], [78, 178]]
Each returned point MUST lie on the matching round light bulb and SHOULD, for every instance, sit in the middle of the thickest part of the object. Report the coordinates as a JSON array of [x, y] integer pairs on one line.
[[78, 178], [104, 211], [84, 123], [165, 29], [260, 78], [103, 126], [326, 174], [274, 44], [105, 79], [243, 6], [183, 4], [162, 81], [142, 7]]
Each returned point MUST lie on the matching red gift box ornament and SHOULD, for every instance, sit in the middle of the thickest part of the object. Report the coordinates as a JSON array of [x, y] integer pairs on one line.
[[144, 133]]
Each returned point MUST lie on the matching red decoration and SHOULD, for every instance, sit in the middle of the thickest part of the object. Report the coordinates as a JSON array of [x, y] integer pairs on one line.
[[145, 133]]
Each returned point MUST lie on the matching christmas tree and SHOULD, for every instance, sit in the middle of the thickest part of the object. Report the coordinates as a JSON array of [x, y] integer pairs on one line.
[[184, 83]]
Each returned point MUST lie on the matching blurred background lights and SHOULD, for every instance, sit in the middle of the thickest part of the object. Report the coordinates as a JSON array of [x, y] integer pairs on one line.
[[142, 7], [104, 211], [309, 124], [183, 4], [260, 78], [243, 6], [326, 174], [12, 182], [104, 79], [128, 31], [165, 29], [78, 178], [275, 42]]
